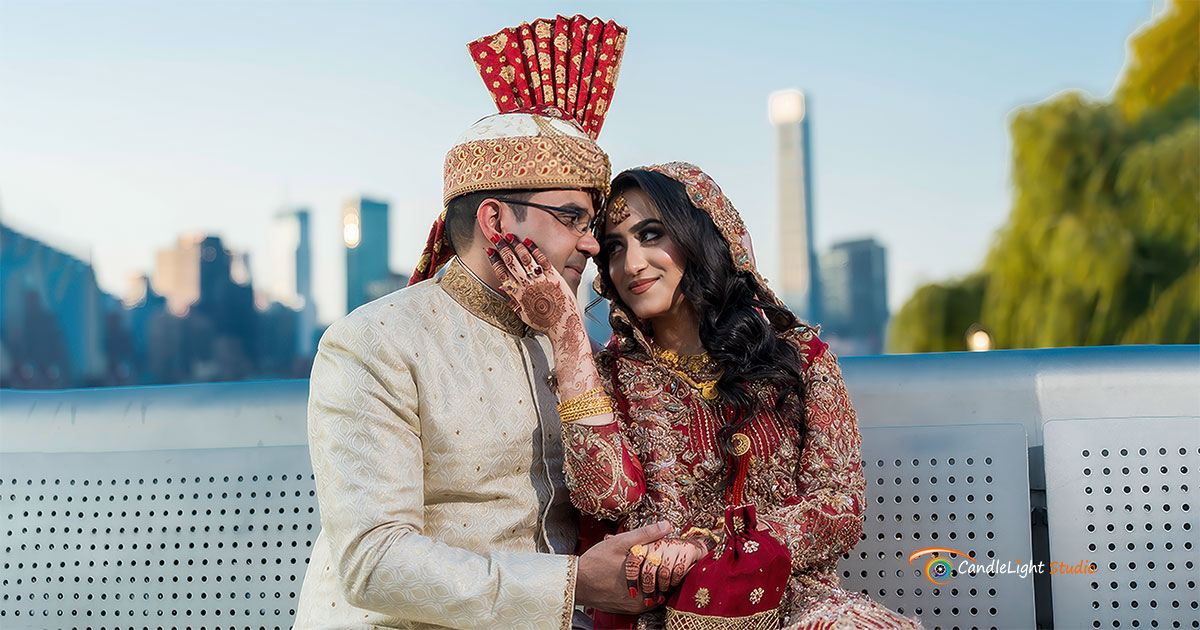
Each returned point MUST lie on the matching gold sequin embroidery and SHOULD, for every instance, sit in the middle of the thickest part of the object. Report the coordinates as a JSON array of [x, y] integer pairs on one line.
[[525, 163], [479, 299]]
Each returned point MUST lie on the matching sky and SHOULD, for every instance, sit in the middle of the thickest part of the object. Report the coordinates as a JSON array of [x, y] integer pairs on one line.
[[124, 125]]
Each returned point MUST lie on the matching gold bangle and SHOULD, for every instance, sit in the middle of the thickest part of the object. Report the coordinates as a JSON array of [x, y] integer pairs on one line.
[[581, 400], [586, 409], [595, 392], [593, 402], [591, 393]]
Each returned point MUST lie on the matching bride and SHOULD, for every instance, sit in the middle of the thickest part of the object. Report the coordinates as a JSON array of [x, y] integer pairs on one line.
[[712, 407]]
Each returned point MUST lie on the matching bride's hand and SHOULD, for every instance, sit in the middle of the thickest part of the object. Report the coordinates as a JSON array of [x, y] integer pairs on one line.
[[544, 301], [535, 289], [665, 563]]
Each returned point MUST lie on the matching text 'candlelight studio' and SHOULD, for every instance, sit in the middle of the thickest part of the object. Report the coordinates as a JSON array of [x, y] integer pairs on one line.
[[1021, 569], [938, 569]]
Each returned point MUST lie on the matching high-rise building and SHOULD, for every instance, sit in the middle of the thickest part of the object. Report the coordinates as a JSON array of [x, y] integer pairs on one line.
[[209, 284], [52, 313], [854, 297], [177, 274], [789, 112], [291, 258], [142, 305], [365, 232], [199, 267], [291, 272]]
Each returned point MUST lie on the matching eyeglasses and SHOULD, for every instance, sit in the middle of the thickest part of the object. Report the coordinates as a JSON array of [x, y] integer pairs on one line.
[[575, 219]]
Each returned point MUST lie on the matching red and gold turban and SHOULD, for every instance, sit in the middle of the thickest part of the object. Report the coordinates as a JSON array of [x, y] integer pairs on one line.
[[552, 82]]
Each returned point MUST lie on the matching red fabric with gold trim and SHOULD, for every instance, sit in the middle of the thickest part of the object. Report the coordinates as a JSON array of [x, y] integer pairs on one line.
[[570, 63], [739, 585], [437, 252], [559, 49]]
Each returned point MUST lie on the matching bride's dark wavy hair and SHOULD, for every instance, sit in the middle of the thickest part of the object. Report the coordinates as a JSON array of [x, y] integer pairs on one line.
[[746, 344]]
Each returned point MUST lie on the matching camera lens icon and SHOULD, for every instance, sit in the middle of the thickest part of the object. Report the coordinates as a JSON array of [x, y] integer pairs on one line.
[[939, 571]]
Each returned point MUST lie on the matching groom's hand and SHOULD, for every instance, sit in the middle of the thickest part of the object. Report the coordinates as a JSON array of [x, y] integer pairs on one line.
[[600, 581]]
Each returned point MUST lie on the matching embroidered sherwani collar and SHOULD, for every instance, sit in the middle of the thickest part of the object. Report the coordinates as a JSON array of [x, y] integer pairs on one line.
[[482, 301]]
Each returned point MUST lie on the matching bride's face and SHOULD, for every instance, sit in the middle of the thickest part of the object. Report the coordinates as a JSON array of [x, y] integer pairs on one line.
[[645, 265]]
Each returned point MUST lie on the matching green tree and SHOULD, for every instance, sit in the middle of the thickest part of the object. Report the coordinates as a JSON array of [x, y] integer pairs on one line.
[[938, 316], [1103, 242]]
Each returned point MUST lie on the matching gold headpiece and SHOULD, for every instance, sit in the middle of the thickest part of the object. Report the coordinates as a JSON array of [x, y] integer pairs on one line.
[[617, 210]]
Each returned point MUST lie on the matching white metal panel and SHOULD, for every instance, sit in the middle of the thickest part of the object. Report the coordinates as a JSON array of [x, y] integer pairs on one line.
[[1123, 502], [959, 487], [156, 539], [1026, 386], [209, 415]]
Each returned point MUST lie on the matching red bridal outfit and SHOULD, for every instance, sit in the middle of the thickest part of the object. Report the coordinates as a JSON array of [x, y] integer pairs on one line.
[[660, 459]]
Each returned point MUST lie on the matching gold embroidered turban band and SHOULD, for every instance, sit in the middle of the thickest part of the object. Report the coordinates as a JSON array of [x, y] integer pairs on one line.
[[552, 82]]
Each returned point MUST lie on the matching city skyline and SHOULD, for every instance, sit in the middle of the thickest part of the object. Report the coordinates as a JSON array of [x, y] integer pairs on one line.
[[197, 320], [230, 124]]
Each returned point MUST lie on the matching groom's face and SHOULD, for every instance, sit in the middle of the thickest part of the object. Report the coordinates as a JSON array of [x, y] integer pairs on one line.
[[567, 248]]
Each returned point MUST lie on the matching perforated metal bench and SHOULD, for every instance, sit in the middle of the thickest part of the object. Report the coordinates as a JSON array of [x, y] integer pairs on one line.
[[964, 488], [212, 538], [1125, 498], [193, 506], [217, 538], [166, 507]]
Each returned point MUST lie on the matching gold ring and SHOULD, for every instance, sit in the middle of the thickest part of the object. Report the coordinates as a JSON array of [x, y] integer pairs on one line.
[[654, 559], [638, 551]]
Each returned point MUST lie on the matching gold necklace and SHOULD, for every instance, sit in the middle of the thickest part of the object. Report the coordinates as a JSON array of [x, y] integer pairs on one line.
[[689, 368], [692, 363]]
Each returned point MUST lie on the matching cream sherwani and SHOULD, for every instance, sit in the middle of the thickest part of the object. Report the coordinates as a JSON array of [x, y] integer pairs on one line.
[[436, 446]]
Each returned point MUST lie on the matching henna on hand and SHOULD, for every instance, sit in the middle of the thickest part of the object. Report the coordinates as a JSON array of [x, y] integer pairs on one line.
[[647, 579], [521, 251], [633, 566], [512, 261], [685, 553], [544, 305], [677, 574], [541, 296], [664, 575], [537, 254]]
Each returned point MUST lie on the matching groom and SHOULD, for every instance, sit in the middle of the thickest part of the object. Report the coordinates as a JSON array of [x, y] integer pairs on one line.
[[433, 429]]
